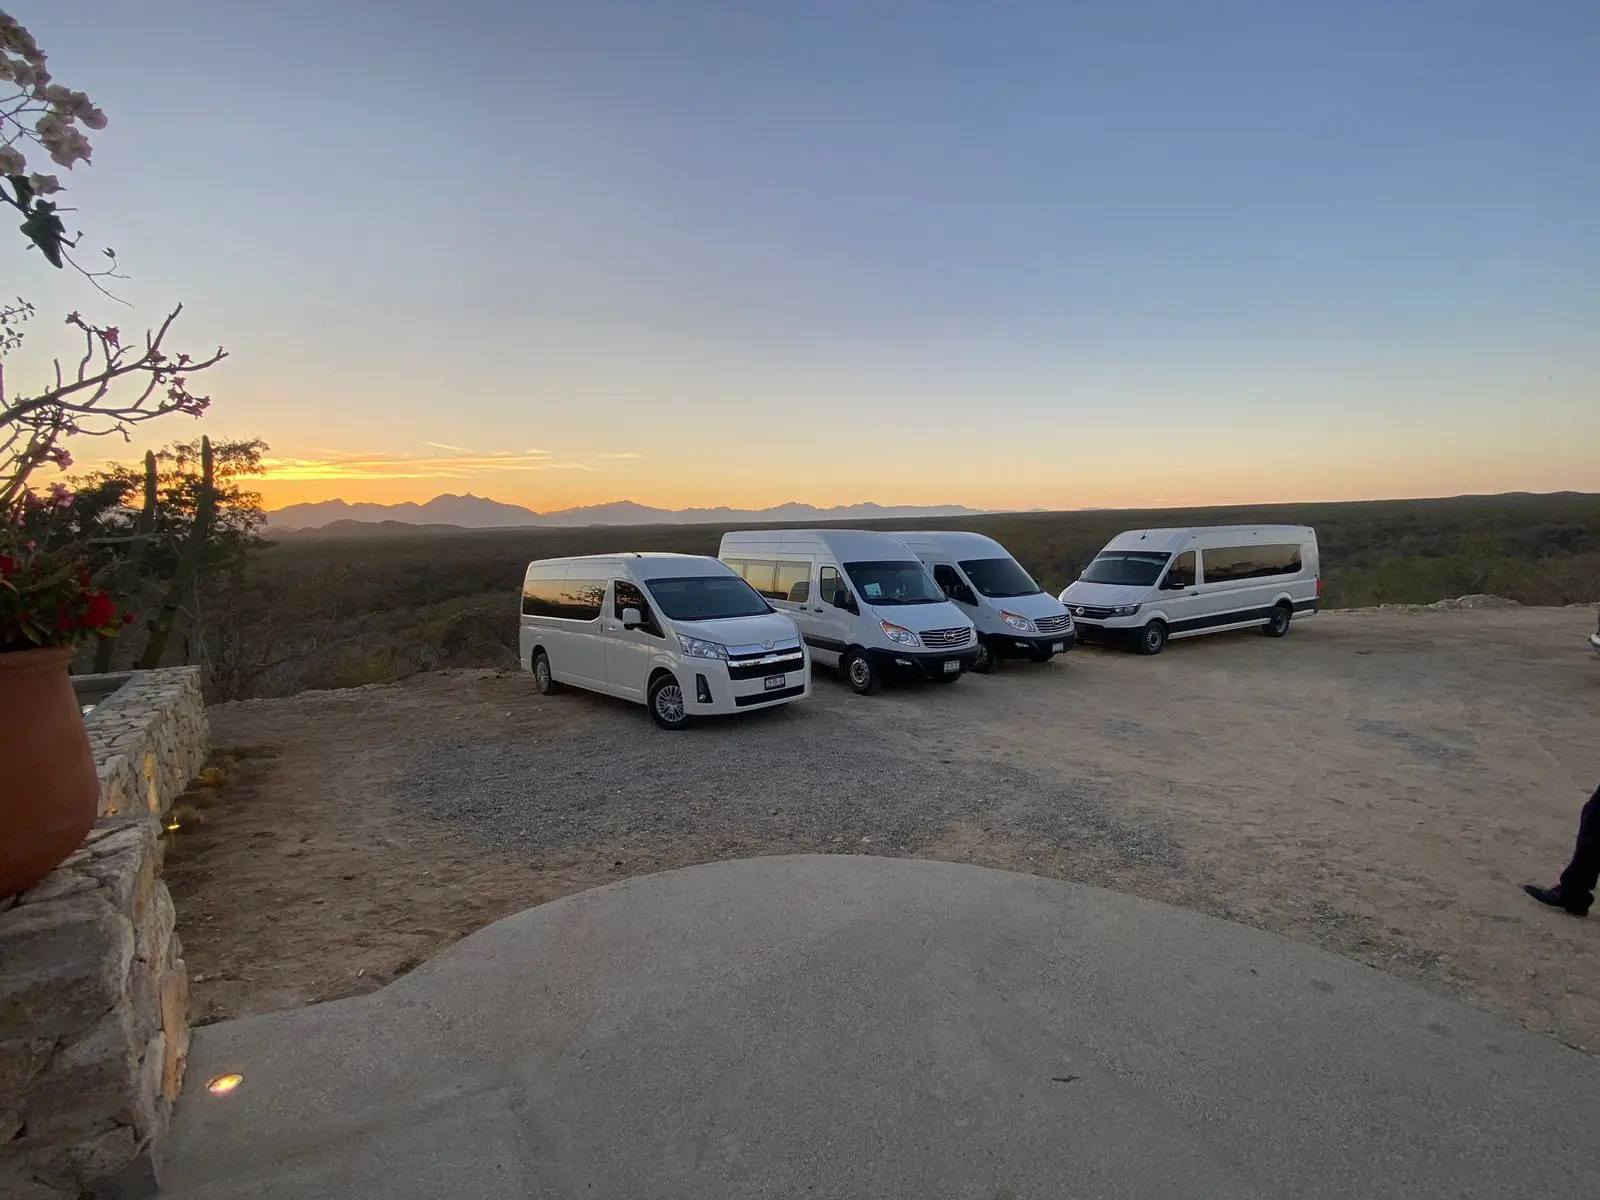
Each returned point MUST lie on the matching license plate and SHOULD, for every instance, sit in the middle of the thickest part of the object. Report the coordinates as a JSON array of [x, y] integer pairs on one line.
[[951, 666], [1057, 647], [774, 682]]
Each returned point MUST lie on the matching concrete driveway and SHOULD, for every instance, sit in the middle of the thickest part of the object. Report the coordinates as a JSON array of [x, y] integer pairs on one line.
[[851, 1026]]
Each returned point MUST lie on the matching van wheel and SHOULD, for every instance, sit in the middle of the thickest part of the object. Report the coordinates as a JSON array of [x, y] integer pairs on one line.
[[667, 708], [860, 674], [1279, 625], [985, 661], [1153, 637], [542, 679]]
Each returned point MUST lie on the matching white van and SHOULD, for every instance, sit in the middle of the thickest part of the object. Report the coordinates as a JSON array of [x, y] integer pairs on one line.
[[1149, 585], [1015, 617], [863, 602], [679, 633]]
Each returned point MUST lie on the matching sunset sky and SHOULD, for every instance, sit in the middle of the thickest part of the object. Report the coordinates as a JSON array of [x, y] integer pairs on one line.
[[1007, 255]]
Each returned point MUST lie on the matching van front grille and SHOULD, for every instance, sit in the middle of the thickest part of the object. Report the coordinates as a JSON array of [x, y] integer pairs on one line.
[[780, 661], [1053, 624], [942, 638], [1093, 611]]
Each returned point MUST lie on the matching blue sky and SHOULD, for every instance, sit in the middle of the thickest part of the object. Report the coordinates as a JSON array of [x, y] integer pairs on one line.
[[1012, 255]]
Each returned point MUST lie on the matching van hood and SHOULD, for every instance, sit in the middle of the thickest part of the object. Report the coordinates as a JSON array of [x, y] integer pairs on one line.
[[1034, 607], [1104, 595], [758, 630], [920, 617]]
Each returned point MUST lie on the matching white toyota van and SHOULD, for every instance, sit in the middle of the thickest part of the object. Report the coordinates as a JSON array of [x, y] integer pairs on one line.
[[1149, 585], [679, 633], [863, 602], [1015, 617]]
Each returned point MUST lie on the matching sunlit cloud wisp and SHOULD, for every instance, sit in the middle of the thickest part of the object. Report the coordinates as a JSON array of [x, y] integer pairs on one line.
[[334, 467]]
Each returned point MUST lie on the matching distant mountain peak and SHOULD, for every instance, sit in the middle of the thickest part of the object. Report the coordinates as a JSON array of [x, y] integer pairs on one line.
[[480, 512]]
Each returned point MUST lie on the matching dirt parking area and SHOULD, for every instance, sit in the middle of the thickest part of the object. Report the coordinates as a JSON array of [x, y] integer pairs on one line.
[[1377, 783]]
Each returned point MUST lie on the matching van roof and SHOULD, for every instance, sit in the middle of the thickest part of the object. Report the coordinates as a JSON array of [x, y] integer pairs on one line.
[[1169, 540], [958, 543], [646, 565], [847, 545]]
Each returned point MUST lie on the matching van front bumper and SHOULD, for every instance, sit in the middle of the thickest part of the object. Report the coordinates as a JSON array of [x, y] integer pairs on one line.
[[922, 664], [1101, 633], [1010, 645], [709, 692]]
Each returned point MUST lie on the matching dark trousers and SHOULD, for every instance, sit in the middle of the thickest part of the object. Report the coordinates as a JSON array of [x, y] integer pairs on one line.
[[1578, 880]]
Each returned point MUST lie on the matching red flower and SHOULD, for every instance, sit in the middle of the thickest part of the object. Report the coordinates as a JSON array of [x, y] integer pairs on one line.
[[101, 613], [83, 576], [111, 334], [127, 618], [8, 566], [64, 621]]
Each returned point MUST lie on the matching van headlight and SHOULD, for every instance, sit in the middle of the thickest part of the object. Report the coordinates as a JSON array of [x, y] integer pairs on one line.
[[1018, 622], [1125, 610], [897, 633], [700, 648]]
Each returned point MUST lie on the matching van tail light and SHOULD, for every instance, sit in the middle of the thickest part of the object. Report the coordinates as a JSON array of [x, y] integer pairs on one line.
[[1319, 587]]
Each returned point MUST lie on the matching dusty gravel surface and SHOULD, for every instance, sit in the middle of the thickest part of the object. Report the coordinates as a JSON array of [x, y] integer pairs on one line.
[[1377, 783]]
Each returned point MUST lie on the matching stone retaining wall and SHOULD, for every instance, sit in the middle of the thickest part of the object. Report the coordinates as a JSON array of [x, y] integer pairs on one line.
[[149, 739], [93, 1032]]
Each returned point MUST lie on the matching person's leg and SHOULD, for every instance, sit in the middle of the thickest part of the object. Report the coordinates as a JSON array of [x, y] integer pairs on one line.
[[1579, 879]]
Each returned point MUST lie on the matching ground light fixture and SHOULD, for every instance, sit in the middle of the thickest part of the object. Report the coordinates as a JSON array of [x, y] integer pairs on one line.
[[224, 1084]]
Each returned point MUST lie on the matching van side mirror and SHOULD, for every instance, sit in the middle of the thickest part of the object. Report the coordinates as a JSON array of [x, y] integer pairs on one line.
[[631, 618], [841, 599]]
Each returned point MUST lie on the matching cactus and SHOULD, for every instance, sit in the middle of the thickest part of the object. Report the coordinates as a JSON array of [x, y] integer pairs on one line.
[[143, 531], [188, 562]]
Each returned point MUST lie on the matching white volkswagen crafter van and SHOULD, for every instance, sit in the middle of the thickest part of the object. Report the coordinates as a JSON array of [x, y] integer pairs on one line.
[[1015, 617], [679, 633], [1149, 585], [863, 602]]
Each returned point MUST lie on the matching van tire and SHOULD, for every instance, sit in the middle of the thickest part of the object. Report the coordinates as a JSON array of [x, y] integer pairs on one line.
[[1153, 638], [1279, 624], [986, 660], [665, 702], [543, 680], [859, 673]]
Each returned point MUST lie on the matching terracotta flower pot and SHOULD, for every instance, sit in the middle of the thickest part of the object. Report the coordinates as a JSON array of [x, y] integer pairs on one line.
[[49, 793]]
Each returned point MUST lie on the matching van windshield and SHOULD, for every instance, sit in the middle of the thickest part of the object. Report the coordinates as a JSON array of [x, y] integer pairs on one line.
[[894, 583], [999, 577], [1136, 567], [706, 598]]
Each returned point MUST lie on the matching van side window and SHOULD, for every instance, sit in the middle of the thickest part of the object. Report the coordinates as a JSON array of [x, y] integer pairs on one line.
[[1229, 564], [758, 573], [627, 594], [541, 597], [582, 598], [952, 585], [829, 584], [1181, 573], [793, 582]]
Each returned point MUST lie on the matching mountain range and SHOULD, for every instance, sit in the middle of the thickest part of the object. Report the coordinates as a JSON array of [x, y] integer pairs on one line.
[[477, 512]]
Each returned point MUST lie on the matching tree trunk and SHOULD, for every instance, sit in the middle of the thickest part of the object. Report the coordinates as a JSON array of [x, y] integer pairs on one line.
[[188, 563]]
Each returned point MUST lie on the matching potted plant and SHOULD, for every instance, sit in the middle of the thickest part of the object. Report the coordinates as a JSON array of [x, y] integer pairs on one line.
[[49, 606]]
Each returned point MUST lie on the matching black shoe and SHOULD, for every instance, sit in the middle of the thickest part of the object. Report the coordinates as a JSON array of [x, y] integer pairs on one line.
[[1553, 897]]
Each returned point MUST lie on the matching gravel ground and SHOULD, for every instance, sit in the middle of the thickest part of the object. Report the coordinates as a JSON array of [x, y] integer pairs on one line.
[[1378, 784], [785, 774]]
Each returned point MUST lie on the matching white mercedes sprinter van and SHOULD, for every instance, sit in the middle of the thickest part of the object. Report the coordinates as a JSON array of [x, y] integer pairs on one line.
[[1149, 585], [679, 633], [1015, 617], [863, 602]]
